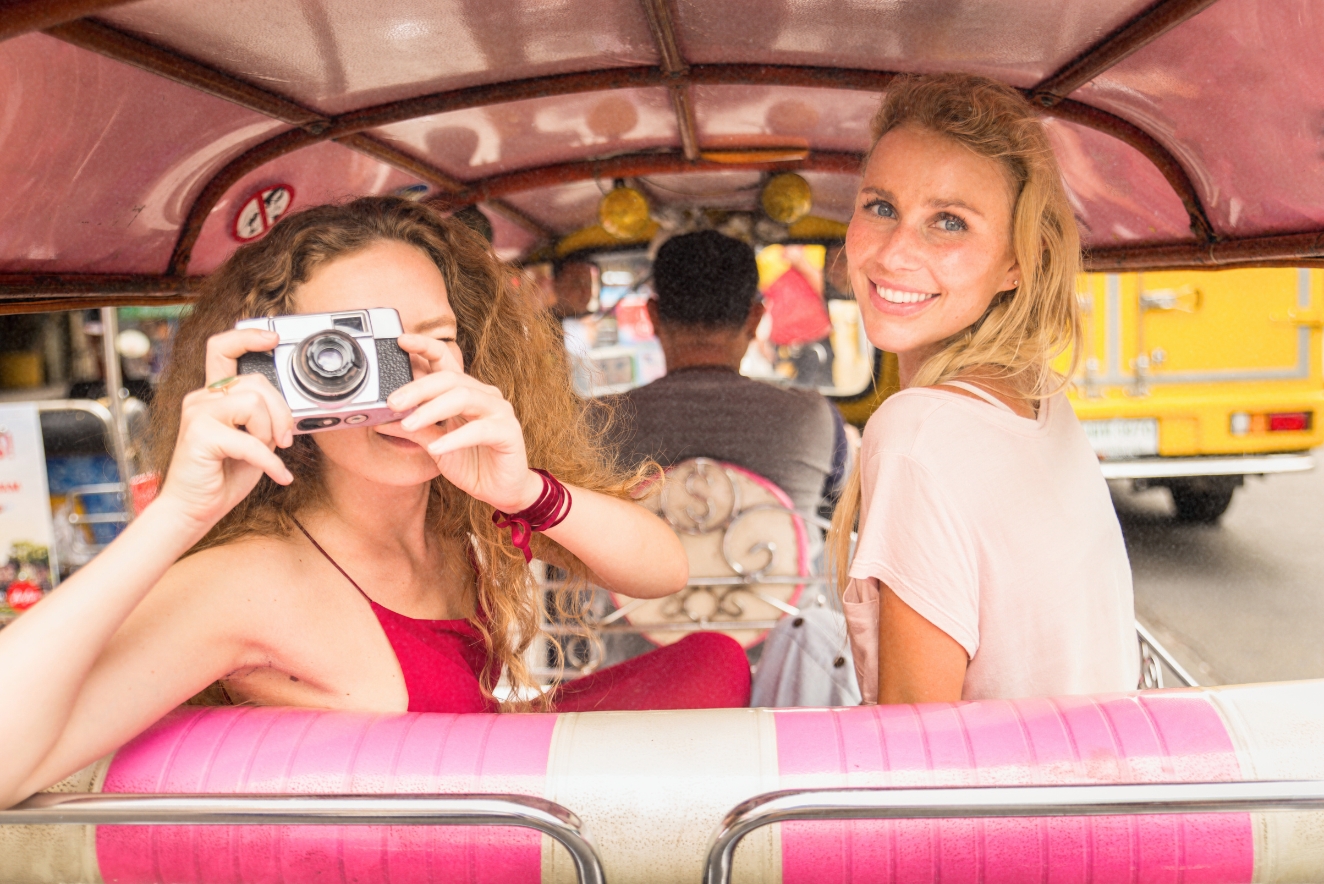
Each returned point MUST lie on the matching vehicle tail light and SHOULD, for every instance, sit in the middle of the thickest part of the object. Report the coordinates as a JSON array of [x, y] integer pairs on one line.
[[1241, 423], [1291, 421]]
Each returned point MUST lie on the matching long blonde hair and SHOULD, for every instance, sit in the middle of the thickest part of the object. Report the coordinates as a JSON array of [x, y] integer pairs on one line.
[[505, 342], [1025, 329]]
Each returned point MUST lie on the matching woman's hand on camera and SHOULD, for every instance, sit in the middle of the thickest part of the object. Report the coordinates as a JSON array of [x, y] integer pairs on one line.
[[227, 438], [468, 428]]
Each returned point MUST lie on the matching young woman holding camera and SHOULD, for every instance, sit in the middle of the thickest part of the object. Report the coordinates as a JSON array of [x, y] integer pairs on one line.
[[375, 569], [989, 561]]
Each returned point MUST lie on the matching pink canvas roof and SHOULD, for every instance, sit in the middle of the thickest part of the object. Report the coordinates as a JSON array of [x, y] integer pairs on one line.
[[135, 136]]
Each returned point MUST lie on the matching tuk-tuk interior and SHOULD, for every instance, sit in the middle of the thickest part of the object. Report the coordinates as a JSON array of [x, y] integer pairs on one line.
[[144, 141]]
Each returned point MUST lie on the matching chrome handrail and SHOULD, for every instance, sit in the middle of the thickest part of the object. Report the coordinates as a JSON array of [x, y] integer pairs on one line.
[[115, 517], [317, 810], [1147, 640], [964, 802]]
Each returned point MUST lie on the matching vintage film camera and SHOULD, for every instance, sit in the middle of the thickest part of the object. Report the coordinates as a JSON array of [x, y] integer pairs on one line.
[[334, 369]]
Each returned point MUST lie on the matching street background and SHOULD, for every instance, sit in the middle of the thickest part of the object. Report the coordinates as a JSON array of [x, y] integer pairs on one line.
[[1241, 601]]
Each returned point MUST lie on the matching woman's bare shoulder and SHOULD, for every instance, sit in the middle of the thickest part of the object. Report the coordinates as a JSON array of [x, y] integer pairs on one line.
[[245, 552], [249, 563]]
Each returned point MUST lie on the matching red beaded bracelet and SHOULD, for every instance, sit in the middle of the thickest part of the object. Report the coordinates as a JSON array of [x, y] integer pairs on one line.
[[548, 511]]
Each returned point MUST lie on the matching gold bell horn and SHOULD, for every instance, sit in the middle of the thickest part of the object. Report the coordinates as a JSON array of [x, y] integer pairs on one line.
[[624, 213], [786, 198]]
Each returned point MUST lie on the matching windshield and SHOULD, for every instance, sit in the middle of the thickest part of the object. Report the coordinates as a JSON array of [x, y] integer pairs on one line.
[[810, 337]]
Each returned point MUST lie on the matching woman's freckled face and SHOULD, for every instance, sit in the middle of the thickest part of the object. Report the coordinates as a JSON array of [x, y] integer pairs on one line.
[[929, 243], [385, 274]]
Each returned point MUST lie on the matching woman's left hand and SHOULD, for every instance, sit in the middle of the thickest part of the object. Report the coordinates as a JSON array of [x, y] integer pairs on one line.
[[467, 426]]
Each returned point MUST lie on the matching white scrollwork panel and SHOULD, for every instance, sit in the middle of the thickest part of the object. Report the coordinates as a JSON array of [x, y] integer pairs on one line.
[[743, 542]]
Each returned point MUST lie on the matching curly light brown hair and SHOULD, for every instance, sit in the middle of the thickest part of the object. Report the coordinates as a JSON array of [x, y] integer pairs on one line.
[[505, 342]]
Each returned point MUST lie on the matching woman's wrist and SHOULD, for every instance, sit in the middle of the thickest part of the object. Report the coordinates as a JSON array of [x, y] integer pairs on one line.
[[170, 525], [547, 510], [532, 490]]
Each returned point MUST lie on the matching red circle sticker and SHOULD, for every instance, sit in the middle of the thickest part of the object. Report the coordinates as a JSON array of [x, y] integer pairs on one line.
[[261, 210], [23, 595]]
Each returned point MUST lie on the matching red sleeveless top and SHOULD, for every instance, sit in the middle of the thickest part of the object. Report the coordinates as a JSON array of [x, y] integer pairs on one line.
[[442, 660]]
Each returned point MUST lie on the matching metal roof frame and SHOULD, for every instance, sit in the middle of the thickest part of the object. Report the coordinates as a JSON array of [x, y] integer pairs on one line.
[[68, 20]]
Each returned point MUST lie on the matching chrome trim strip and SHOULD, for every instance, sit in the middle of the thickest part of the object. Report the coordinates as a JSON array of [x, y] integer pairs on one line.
[[1301, 371], [1113, 287], [1228, 376], [91, 406], [317, 810], [119, 423], [1172, 467], [966, 802]]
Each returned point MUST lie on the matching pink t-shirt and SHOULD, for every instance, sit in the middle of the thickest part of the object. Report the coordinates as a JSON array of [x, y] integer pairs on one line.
[[999, 530]]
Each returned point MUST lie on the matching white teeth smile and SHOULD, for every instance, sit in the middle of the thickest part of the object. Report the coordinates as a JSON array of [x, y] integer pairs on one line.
[[895, 297]]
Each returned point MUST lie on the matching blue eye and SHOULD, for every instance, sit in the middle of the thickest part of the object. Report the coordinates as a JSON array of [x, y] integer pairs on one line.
[[951, 223], [881, 208]]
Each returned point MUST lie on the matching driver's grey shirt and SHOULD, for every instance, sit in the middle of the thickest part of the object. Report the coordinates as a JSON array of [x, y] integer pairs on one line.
[[783, 434]]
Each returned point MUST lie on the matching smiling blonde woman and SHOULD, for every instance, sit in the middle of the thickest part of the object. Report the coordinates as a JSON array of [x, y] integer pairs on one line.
[[989, 561]]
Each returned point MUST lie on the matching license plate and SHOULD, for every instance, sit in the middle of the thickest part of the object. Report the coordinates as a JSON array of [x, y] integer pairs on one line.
[[1123, 437]]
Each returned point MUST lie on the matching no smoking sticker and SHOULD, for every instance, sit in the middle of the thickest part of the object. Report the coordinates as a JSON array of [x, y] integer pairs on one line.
[[262, 210]]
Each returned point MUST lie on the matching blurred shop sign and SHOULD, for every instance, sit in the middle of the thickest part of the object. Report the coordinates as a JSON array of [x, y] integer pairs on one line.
[[26, 533]]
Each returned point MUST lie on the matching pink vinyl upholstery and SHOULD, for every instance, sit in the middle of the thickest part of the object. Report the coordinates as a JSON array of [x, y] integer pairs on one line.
[[1169, 737], [652, 787], [262, 750]]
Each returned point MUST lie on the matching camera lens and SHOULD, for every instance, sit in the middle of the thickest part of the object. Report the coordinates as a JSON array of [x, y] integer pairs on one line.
[[330, 365]]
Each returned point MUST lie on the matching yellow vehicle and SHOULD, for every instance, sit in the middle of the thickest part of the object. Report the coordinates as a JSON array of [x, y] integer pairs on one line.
[[1194, 380]]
